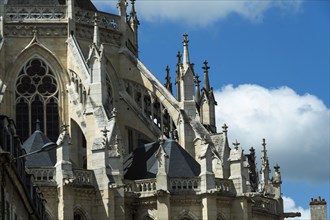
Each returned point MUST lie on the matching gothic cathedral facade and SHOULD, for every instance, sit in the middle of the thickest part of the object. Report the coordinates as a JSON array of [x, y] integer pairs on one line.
[[127, 146]]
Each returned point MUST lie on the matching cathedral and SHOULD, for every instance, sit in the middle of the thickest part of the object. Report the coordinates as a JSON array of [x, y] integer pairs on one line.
[[129, 147]]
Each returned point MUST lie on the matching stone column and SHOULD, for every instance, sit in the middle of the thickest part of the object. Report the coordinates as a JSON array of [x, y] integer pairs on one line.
[[209, 207]]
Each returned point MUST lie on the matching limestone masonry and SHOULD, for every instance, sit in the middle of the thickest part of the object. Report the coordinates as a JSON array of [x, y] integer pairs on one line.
[[129, 146]]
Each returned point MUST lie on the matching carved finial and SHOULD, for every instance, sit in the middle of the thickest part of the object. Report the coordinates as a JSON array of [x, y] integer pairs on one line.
[[252, 151], [65, 127], [185, 39], [35, 31], [133, 18], [179, 56], [185, 42], [264, 145], [122, 5], [197, 89], [96, 30], [105, 136], [236, 144], [114, 112], [168, 84], [37, 125], [277, 167], [224, 128], [277, 175], [196, 80]]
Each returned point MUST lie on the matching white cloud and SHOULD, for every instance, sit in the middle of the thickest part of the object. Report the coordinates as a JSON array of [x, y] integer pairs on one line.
[[296, 128], [290, 206], [204, 12]]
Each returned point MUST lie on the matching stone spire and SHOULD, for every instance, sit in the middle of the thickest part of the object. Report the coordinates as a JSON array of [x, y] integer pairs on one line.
[[265, 170], [206, 76], [133, 20], [168, 84], [185, 42], [96, 37], [197, 89], [178, 76]]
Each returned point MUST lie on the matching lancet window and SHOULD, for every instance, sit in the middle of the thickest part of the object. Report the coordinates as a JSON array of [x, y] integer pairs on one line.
[[37, 94]]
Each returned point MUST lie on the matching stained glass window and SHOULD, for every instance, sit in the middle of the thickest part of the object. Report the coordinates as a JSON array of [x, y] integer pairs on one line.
[[37, 100]]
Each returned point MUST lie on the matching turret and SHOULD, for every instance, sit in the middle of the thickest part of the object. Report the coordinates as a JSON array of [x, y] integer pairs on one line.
[[239, 169], [318, 208]]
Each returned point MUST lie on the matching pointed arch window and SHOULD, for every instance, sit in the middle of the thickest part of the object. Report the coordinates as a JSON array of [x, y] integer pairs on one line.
[[37, 99]]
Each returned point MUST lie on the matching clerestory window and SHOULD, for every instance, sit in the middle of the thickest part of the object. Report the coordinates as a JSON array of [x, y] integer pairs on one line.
[[37, 99]]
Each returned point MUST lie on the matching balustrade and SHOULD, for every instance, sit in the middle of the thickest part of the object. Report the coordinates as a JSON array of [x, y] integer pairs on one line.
[[40, 13], [265, 204], [224, 185], [145, 187], [83, 177], [185, 184], [46, 175]]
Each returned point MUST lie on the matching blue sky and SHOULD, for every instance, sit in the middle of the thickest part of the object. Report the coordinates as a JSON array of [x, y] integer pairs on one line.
[[270, 71]]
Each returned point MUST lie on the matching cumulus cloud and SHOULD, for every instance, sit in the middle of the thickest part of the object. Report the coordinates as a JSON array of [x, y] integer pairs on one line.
[[204, 12], [296, 127], [290, 206]]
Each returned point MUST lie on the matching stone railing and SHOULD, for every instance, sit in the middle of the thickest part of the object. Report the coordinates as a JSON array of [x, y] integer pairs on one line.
[[224, 185], [83, 177], [264, 204], [35, 13], [44, 176], [184, 185], [145, 187], [108, 21]]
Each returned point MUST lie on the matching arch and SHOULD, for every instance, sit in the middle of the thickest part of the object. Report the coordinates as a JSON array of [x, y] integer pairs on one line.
[[78, 151], [49, 215], [221, 216], [39, 51], [147, 215], [37, 99], [186, 214], [79, 213]]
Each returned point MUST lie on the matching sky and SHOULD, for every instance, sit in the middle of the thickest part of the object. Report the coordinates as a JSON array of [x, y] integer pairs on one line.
[[269, 69]]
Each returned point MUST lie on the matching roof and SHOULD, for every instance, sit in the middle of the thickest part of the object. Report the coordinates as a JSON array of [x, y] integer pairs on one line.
[[83, 4], [42, 159], [142, 162]]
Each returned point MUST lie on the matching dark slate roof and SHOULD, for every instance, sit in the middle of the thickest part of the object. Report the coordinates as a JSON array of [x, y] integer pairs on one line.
[[83, 4], [142, 162], [34, 143]]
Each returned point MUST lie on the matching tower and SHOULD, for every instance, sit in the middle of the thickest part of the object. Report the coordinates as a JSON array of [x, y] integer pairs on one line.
[[318, 209]]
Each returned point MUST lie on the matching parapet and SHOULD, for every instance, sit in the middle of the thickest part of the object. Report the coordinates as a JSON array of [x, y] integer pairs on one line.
[[318, 201]]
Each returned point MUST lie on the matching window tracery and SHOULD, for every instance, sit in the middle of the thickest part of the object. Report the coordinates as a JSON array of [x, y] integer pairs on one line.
[[37, 99]]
